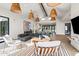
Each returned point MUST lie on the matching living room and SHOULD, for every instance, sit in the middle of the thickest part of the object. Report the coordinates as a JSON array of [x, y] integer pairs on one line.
[[26, 21]]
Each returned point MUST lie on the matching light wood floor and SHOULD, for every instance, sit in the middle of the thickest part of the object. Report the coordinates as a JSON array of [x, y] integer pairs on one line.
[[72, 51]]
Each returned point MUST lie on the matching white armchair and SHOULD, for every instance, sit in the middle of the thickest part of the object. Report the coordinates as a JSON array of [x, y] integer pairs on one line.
[[9, 41], [74, 41], [13, 46]]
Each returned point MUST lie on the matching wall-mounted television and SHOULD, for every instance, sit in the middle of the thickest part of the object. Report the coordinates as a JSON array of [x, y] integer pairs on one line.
[[75, 24]]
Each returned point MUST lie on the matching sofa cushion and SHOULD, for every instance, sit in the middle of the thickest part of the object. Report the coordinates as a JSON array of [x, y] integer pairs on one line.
[[75, 35], [46, 37], [27, 32], [75, 44]]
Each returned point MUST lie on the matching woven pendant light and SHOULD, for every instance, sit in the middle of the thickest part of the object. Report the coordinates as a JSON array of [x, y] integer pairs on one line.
[[15, 7], [53, 14], [53, 4], [31, 15]]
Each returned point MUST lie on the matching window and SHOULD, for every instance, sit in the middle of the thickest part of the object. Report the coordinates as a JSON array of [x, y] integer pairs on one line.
[[48, 29], [4, 25]]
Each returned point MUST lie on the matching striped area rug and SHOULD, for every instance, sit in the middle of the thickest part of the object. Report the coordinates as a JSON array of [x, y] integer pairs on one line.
[[29, 51]]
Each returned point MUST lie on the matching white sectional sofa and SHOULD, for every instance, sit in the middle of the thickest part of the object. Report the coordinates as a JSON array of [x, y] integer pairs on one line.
[[75, 44], [75, 41]]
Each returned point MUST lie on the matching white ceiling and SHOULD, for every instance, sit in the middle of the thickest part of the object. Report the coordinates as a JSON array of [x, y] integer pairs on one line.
[[62, 10]]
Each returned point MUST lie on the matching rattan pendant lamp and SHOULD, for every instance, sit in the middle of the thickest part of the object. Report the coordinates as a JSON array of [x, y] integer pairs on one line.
[[31, 15], [53, 4], [15, 7], [53, 12]]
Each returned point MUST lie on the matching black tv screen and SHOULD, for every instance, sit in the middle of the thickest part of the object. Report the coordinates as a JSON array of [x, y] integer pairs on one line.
[[75, 24]]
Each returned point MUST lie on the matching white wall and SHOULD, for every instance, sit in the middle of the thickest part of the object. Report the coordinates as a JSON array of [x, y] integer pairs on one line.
[[60, 27], [74, 12], [63, 16], [61, 23], [15, 23], [16, 20], [35, 7]]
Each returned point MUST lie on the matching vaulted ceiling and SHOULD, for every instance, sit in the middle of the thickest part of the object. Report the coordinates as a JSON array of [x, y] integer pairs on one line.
[[63, 10]]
